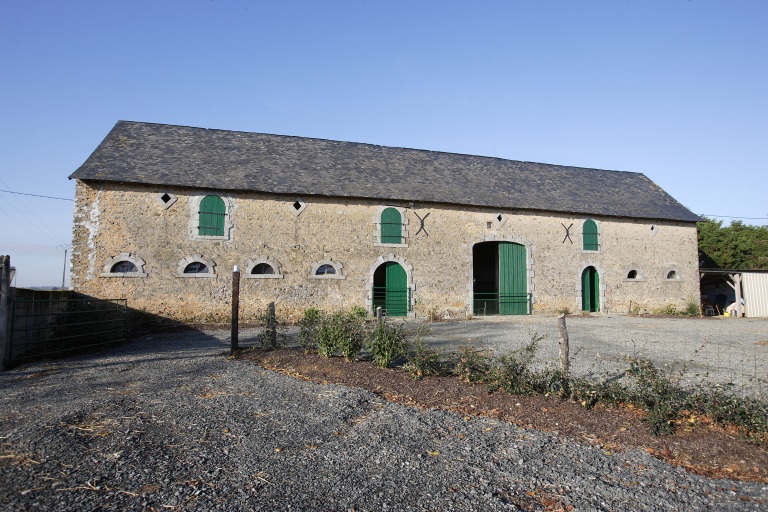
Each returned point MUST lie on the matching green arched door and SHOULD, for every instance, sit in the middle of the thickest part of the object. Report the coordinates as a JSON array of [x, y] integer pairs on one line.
[[590, 290], [390, 289]]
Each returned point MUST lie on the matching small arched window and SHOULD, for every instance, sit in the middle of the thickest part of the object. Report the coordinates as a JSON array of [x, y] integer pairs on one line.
[[324, 270], [672, 274], [632, 274], [196, 267], [125, 264], [122, 267], [590, 236], [263, 269], [211, 216], [391, 226]]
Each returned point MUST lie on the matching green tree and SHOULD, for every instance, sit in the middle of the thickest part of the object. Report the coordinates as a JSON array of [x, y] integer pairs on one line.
[[738, 246]]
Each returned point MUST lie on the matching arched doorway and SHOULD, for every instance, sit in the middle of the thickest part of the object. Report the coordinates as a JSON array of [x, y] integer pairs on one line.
[[390, 289], [590, 290], [500, 279]]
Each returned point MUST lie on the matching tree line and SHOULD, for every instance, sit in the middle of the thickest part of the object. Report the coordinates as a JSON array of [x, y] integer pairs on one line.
[[738, 246]]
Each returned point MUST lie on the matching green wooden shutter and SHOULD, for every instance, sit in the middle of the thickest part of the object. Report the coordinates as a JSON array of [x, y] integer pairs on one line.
[[391, 226], [396, 290], [589, 232], [513, 279], [211, 218]]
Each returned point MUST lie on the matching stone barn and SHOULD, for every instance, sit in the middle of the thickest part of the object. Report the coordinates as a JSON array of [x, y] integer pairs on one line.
[[163, 213]]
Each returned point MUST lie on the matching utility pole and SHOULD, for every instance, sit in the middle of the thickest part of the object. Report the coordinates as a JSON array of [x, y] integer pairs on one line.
[[64, 270]]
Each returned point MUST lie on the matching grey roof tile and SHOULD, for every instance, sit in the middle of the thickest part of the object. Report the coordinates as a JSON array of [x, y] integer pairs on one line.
[[168, 155]]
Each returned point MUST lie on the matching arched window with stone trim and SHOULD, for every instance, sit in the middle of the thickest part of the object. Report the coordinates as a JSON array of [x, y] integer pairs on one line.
[[125, 264], [196, 266], [263, 267]]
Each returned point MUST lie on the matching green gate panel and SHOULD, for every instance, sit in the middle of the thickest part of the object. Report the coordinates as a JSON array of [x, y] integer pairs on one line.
[[211, 218], [391, 226], [513, 279], [590, 290], [396, 290]]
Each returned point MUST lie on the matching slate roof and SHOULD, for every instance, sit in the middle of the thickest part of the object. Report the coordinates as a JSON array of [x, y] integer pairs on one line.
[[167, 155]]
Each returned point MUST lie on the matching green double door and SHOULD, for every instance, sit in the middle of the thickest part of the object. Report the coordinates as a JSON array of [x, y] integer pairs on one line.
[[500, 279], [590, 290], [390, 289], [513, 286]]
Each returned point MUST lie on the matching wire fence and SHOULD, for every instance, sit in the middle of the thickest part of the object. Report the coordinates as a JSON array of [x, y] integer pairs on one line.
[[690, 352]]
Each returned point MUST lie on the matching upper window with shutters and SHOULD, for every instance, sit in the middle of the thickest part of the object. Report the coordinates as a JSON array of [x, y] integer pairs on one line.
[[391, 226], [590, 235], [210, 219]]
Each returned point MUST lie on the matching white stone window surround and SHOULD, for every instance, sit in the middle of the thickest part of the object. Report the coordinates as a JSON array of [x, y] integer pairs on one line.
[[408, 277], [639, 277], [194, 213], [106, 271], [301, 206], [196, 258], [170, 196], [599, 237], [251, 263], [672, 269], [377, 226], [335, 264], [530, 253], [601, 277]]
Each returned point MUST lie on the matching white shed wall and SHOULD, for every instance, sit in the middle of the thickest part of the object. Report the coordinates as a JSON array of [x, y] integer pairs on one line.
[[755, 288]]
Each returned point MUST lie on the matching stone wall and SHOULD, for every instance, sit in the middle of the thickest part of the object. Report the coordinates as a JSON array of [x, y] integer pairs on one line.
[[155, 228]]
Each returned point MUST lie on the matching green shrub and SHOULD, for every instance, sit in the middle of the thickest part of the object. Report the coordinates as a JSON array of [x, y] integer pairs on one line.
[[340, 333], [424, 361], [308, 327], [358, 313], [387, 343], [692, 308], [472, 365]]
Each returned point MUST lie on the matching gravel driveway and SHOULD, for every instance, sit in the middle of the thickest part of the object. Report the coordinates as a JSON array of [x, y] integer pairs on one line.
[[170, 422]]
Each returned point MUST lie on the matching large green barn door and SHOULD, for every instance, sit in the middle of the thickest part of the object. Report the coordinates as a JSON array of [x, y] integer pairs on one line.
[[590, 290], [513, 279], [397, 290], [390, 289]]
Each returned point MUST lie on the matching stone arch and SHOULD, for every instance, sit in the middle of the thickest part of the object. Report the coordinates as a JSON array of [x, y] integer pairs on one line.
[[372, 270], [251, 263], [131, 257], [196, 258], [530, 249], [602, 289], [335, 264]]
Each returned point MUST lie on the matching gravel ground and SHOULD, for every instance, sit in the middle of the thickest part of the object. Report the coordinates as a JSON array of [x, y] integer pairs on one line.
[[170, 422]]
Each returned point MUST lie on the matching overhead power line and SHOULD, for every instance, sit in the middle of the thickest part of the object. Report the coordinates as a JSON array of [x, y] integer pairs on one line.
[[36, 195], [731, 217]]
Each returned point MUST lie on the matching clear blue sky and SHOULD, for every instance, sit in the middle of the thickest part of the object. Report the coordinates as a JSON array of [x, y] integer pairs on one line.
[[675, 89]]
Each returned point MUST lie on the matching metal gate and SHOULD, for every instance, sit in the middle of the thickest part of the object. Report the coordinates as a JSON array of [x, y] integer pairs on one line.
[[43, 328]]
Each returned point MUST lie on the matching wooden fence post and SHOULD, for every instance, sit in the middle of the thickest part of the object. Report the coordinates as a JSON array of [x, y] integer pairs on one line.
[[5, 289], [235, 308], [272, 326], [564, 347]]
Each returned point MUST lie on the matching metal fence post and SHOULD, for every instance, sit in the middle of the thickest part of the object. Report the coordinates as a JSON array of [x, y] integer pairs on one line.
[[235, 309]]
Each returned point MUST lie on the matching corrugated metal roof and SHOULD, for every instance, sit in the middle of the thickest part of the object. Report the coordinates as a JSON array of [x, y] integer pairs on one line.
[[168, 155]]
